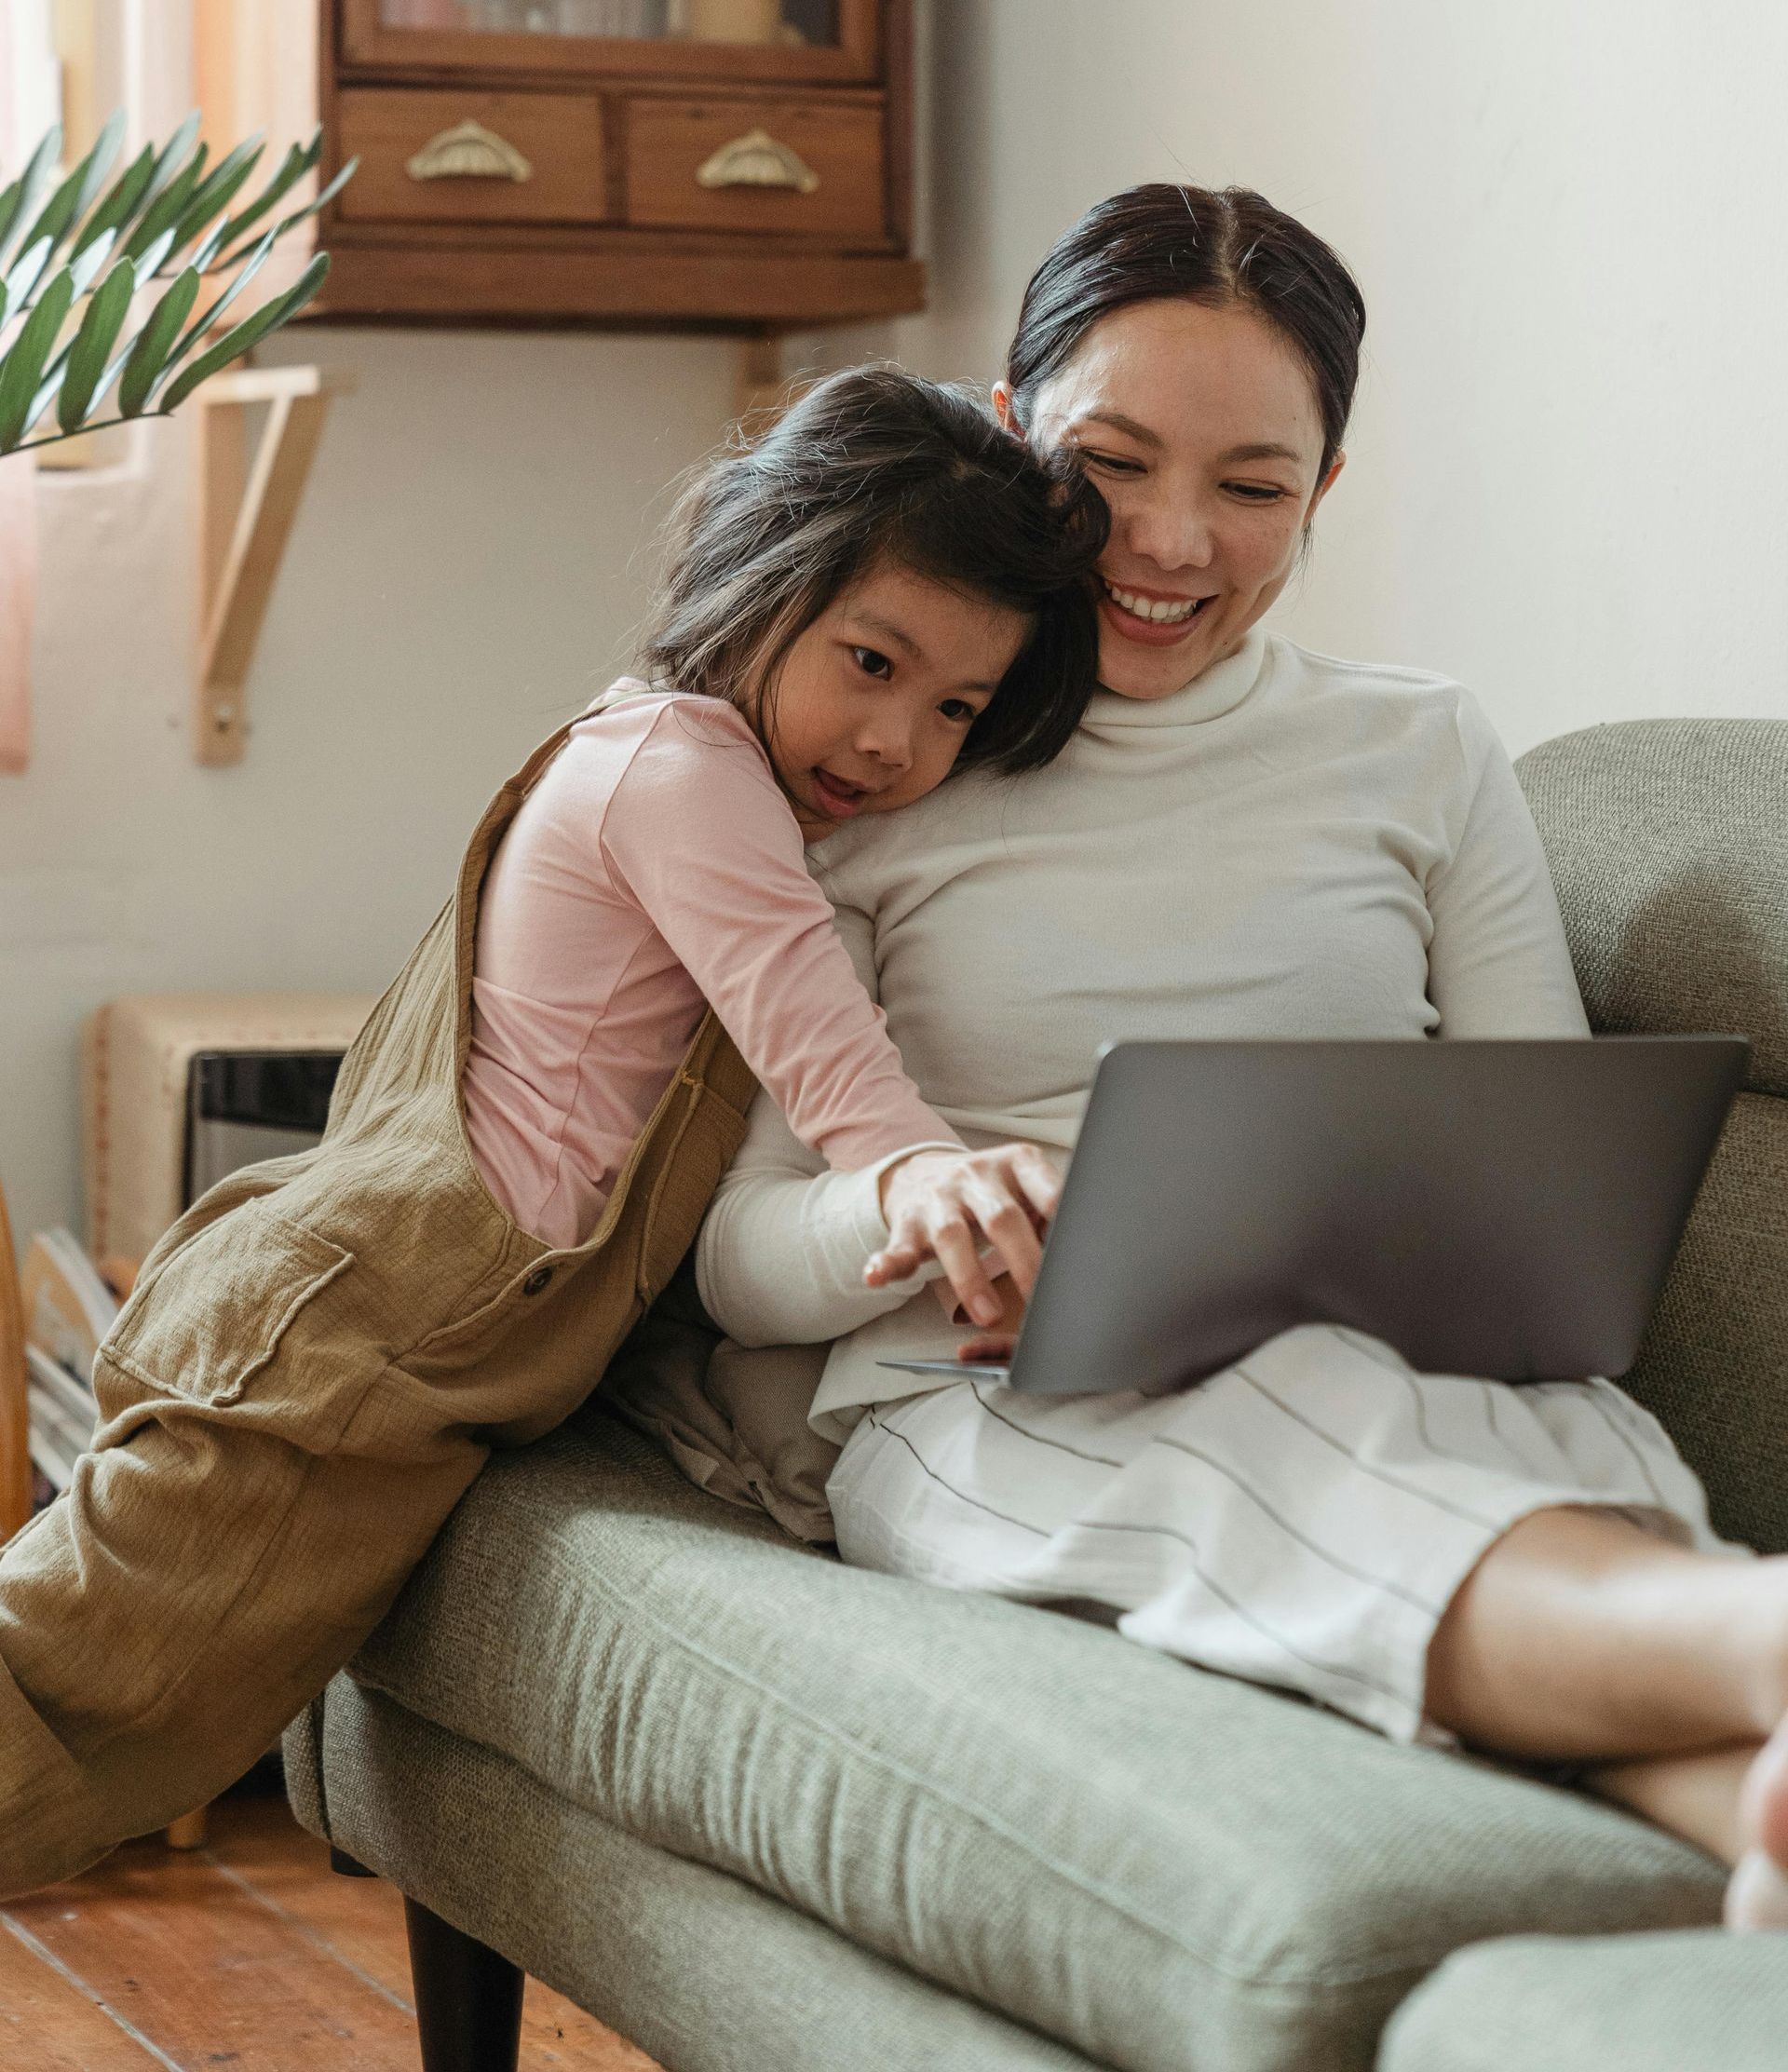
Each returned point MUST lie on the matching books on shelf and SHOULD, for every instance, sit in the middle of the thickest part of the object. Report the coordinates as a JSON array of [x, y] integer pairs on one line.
[[68, 1307], [68, 1310]]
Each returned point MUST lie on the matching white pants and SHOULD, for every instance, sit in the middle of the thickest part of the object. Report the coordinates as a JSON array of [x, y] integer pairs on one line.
[[1302, 1519]]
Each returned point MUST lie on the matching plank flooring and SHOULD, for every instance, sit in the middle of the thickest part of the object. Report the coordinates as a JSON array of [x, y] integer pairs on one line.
[[249, 1953]]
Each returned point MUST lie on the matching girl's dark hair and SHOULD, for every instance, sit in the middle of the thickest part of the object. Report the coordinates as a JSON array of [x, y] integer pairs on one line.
[[874, 466], [1190, 244]]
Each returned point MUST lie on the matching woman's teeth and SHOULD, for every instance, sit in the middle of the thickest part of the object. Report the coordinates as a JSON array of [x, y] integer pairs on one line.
[[1159, 610]]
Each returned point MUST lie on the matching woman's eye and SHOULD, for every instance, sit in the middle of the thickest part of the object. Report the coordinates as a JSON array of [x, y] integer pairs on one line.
[[872, 662], [1113, 464], [958, 709], [1257, 492]]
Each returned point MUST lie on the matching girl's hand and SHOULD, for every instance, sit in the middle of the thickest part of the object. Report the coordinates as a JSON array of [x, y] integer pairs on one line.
[[943, 1205]]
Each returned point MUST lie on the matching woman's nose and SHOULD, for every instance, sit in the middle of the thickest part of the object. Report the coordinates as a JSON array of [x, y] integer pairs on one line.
[[1172, 532]]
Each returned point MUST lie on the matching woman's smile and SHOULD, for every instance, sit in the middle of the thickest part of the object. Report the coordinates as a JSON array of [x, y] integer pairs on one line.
[[1157, 618]]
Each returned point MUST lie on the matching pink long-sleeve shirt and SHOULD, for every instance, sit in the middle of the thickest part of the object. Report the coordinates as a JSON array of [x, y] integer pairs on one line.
[[656, 868]]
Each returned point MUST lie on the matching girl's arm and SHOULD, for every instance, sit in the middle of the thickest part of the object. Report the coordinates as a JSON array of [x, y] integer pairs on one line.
[[780, 1257], [1498, 964], [699, 835]]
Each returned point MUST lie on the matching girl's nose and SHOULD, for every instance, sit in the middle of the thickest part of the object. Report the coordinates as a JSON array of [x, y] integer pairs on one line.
[[886, 738]]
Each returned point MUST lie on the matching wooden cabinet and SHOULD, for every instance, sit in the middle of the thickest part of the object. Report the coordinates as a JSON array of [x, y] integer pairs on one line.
[[730, 163]]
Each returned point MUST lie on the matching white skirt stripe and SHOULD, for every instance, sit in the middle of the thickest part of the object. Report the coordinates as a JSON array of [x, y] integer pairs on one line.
[[1302, 1519]]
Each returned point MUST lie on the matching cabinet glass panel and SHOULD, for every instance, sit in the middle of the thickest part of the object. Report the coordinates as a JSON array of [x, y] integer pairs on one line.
[[793, 24]]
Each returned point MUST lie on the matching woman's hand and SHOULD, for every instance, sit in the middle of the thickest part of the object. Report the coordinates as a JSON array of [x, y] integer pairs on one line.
[[944, 1205]]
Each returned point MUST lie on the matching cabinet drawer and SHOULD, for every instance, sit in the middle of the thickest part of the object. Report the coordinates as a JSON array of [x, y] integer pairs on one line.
[[472, 157], [776, 164]]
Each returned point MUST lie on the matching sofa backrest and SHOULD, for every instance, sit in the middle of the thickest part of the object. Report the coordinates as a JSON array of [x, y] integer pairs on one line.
[[1668, 841]]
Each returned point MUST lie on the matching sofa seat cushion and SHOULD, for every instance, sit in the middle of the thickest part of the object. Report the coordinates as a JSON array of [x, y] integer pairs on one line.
[[1159, 1867], [1629, 2003]]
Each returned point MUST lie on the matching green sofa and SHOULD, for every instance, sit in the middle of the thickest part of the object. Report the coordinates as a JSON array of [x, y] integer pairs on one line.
[[755, 1809]]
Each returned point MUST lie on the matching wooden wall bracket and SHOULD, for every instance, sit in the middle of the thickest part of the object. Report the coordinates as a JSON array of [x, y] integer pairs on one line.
[[245, 519]]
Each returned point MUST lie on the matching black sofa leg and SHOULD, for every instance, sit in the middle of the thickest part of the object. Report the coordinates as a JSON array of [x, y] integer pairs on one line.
[[468, 1998]]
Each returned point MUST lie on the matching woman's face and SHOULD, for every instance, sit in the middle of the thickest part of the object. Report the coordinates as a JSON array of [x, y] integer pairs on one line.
[[1201, 430]]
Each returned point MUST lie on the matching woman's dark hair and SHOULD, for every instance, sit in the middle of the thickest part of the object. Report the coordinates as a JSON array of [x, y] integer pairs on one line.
[[1190, 244], [875, 466]]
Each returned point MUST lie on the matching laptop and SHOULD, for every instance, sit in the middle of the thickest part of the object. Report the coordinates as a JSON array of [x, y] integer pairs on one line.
[[1506, 1209]]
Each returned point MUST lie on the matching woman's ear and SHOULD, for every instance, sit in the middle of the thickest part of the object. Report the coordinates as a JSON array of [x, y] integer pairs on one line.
[[1327, 483], [1005, 410]]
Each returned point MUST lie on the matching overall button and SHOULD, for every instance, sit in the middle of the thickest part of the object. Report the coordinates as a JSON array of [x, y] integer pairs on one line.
[[536, 1281]]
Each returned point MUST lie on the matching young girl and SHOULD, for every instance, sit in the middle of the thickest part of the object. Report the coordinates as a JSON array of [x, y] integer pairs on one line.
[[319, 1354], [874, 596]]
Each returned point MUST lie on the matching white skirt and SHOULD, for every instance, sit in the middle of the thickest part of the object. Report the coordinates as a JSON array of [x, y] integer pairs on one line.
[[1302, 1519]]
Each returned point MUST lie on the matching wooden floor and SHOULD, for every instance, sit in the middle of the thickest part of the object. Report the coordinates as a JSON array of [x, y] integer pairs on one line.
[[249, 1953]]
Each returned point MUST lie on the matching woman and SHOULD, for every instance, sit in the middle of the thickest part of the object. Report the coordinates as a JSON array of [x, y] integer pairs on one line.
[[1245, 840]]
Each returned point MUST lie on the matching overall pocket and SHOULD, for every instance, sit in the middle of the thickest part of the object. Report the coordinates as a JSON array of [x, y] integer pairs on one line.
[[214, 1312]]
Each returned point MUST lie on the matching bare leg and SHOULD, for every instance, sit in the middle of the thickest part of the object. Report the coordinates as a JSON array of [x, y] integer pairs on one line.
[[1696, 1796], [1579, 1636]]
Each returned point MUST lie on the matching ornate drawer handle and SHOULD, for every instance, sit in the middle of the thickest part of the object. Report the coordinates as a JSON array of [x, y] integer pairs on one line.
[[757, 161], [469, 151]]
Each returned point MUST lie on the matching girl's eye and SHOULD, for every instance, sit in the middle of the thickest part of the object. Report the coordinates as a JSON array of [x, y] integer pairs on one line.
[[958, 709], [872, 662], [1257, 492]]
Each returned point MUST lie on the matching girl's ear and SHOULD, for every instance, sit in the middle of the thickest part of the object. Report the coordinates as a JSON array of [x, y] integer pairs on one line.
[[1005, 411]]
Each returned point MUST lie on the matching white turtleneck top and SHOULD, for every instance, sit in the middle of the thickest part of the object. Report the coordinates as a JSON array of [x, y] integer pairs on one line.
[[1289, 847]]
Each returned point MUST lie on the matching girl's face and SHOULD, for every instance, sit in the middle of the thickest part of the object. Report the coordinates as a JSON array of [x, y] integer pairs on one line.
[[874, 700], [1200, 428]]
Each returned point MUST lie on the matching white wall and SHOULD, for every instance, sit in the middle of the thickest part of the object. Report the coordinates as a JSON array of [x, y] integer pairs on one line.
[[1568, 474]]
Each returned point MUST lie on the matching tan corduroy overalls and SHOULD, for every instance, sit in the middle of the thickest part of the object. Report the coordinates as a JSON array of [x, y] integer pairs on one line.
[[315, 1363]]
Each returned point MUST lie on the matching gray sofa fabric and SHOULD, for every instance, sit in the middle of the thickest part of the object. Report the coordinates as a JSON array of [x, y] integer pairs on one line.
[[1688, 2002], [703, 1971], [1667, 841], [1161, 1869]]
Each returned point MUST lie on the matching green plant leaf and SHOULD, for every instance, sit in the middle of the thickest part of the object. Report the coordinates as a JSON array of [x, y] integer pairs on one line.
[[26, 273], [214, 194], [173, 154], [93, 343], [208, 319], [120, 205], [149, 262], [30, 184], [155, 341], [298, 215], [86, 265], [165, 211], [249, 332], [297, 162], [22, 366], [62, 211], [97, 163]]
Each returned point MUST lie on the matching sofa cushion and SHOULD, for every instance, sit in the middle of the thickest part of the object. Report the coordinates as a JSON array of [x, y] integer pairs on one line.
[[1631, 2003], [700, 1968], [1669, 847], [1161, 1868]]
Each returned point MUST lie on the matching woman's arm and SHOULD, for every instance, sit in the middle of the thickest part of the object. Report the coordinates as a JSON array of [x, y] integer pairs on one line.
[[1499, 964], [780, 1257]]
